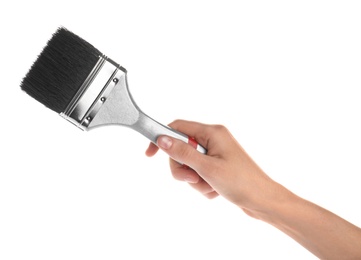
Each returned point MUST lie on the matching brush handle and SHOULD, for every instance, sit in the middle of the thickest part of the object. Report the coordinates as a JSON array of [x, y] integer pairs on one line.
[[152, 130], [115, 105]]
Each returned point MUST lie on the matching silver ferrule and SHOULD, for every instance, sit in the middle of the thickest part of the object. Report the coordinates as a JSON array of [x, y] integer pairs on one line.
[[93, 92]]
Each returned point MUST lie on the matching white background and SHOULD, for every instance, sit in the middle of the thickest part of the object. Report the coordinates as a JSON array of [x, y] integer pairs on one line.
[[283, 76]]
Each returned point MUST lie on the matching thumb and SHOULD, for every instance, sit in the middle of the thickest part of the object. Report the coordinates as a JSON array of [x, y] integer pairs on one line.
[[181, 152]]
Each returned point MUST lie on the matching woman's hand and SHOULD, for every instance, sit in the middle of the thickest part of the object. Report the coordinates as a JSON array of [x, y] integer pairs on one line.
[[225, 170]]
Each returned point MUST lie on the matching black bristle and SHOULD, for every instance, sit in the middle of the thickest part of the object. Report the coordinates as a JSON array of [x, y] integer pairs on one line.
[[60, 70]]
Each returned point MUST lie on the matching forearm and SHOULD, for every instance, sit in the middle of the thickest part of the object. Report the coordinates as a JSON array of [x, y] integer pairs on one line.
[[321, 232], [229, 171]]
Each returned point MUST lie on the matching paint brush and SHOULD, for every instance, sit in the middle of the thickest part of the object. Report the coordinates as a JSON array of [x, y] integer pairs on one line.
[[74, 79]]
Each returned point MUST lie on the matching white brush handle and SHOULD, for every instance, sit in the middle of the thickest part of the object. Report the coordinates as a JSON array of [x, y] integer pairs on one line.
[[152, 130]]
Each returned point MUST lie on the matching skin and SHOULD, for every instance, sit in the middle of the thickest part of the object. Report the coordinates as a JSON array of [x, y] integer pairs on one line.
[[228, 171]]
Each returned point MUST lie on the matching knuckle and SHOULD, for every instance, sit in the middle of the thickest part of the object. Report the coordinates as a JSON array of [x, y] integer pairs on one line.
[[220, 128], [211, 195], [185, 152], [216, 129], [175, 123], [217, 133]]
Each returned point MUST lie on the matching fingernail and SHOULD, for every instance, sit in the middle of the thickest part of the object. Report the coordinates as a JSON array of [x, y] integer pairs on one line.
[[190, 180], [165, 142]]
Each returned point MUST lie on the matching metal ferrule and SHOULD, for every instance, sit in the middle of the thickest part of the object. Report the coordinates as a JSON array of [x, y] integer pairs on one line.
[[93, 92]]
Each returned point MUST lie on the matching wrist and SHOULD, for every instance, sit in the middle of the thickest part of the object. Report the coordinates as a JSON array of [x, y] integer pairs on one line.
[[272, 204]]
